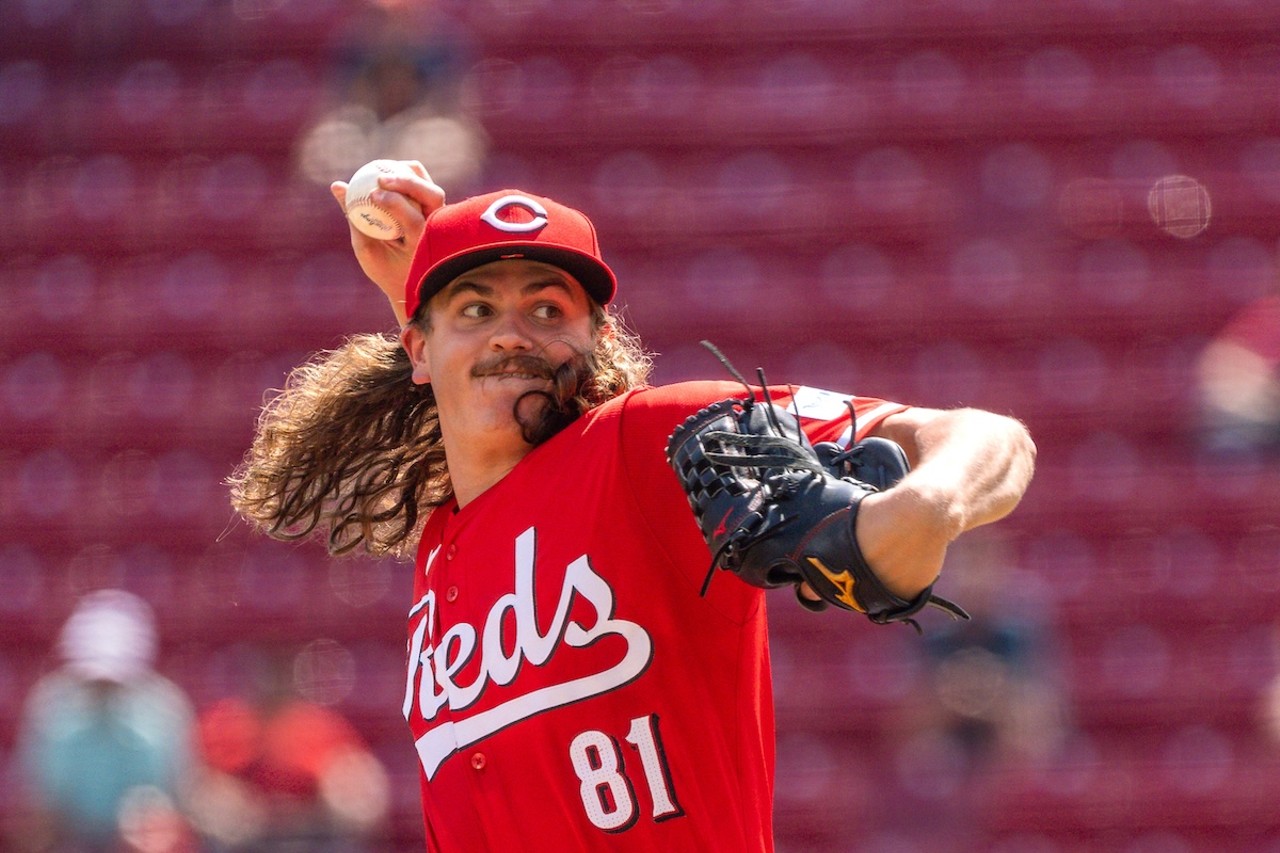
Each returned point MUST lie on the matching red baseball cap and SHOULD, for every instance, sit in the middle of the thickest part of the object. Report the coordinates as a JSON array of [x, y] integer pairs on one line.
[[503, 225]]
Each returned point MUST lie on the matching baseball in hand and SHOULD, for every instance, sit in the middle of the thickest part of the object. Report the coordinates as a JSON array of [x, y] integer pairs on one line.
[[367, 216]]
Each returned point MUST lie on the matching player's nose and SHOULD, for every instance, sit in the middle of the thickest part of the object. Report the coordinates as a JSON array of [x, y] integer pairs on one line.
[[510, 333]]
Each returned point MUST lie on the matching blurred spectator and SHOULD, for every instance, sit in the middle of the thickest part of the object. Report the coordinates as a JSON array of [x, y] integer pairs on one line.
[[1269, 710], [1239, 378], [399, 98], [993, 682], [105, 742], [992, 695], [286, 773]]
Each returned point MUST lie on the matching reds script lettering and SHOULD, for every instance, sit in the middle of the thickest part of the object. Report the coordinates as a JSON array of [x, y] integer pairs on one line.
[[434, 666]]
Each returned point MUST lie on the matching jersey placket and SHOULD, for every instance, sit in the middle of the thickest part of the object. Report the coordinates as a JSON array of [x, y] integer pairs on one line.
[[448, 582], [446, 578]]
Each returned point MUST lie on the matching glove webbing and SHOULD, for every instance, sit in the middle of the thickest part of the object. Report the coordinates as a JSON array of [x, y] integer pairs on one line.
[[767, 451]]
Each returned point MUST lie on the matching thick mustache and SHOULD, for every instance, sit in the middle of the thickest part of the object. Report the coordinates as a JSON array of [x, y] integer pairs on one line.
[[529, 364]]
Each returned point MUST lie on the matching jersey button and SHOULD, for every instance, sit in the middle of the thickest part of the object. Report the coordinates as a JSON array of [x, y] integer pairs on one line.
[[478, 761], [451, 594], [453, 549]]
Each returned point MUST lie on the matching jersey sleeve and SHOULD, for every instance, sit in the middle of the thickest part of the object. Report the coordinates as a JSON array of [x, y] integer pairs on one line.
[[655, 496], [649, 416], [652, 414], [828, 416]]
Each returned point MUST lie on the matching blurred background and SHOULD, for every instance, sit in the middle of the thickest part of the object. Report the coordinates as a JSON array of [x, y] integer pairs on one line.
[[1064, 210]]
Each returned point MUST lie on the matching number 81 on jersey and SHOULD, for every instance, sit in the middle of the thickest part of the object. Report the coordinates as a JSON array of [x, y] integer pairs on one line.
[[607, 792]]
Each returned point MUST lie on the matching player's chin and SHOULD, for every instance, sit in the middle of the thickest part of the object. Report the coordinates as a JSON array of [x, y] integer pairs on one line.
[[540, 417], [531, 399]]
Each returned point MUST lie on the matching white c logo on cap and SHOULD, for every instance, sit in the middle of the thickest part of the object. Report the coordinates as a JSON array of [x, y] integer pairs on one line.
[[539, 212]]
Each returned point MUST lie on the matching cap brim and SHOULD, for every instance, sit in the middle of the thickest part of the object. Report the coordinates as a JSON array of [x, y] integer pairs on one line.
[[595, 277]]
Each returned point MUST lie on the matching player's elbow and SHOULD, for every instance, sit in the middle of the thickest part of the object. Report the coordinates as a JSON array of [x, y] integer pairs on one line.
[[1012, 465], [994, 460], [1022, 454]]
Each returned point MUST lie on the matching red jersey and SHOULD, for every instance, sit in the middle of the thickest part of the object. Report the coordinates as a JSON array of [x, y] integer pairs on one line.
[[568, 687], [1257, 329]]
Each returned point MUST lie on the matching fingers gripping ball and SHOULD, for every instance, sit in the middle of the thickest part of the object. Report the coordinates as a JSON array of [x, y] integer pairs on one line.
[[777, 511], [365, 214]]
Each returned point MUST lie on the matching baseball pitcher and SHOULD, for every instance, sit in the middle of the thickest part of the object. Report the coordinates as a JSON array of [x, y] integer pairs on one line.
[[587, 655]]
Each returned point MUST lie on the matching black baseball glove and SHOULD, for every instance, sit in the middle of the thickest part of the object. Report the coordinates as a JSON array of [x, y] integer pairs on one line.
[[776, 510]]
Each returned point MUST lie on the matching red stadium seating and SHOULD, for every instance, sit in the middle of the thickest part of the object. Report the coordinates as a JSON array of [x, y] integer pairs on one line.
[[953, 205]]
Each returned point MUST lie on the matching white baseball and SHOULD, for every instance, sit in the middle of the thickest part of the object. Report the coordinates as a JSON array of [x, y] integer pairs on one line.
[[367, 216]]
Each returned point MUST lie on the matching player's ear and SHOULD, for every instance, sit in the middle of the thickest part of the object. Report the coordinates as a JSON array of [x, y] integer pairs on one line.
[[414, 341]]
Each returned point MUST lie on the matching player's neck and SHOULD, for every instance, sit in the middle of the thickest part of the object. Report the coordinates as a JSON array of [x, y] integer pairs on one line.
[[474, 467]]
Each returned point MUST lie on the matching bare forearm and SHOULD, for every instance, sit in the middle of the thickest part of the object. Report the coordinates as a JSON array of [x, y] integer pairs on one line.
[[969, 468], [974, 465]]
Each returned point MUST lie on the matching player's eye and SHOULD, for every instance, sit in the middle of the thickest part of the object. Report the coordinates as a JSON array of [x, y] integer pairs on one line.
[[548, 311], [475, 310]]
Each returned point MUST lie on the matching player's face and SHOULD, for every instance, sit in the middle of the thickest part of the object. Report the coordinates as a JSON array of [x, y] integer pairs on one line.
[[495, 333]]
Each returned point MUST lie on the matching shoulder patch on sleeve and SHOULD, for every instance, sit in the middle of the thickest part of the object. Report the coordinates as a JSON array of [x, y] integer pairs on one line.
[[818, 403]]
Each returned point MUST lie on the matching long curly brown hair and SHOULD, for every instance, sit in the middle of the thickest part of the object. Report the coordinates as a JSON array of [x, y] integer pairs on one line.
[[351, 451]]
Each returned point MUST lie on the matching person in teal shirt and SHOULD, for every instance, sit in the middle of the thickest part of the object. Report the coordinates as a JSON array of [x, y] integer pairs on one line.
[[106, 742]]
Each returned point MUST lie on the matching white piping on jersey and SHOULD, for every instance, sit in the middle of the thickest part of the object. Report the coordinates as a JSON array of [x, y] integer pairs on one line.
[[872, 416]]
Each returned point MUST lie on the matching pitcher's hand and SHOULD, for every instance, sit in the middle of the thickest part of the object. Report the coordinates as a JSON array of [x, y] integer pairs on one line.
[[386, 262]]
